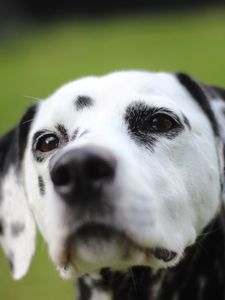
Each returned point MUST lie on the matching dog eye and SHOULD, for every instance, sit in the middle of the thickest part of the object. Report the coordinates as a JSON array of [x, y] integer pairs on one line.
[[47, 143], [162, 123]]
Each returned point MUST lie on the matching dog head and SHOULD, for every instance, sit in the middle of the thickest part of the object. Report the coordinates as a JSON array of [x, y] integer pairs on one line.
[[118, 171]]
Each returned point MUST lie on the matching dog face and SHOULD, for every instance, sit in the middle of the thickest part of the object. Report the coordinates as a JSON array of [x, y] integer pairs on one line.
[[120, 170]]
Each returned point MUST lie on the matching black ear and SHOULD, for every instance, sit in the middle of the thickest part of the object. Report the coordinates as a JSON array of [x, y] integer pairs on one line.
[[199, 93], [7, 151], [17, 228], [23, 131], [13, 144]]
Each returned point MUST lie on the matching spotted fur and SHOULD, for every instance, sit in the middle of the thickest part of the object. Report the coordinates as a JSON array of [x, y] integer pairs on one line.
[[145, 220]]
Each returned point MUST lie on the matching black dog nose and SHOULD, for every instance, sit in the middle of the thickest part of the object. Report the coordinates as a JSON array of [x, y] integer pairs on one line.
[[82, 173]]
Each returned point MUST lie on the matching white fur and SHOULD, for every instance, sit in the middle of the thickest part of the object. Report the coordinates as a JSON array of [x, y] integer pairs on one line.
[[161, 199], [14, 208]]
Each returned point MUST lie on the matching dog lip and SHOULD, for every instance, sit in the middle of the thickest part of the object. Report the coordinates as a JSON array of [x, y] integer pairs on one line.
[[108, 232]]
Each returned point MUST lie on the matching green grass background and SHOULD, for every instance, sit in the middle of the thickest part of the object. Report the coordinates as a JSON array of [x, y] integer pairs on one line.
[[40, 58]]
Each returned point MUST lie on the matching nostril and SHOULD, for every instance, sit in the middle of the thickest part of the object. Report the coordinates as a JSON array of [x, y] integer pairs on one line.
[[61, 176]]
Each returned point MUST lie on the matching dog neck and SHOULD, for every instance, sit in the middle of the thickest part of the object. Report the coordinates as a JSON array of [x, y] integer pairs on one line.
[[200, 275]]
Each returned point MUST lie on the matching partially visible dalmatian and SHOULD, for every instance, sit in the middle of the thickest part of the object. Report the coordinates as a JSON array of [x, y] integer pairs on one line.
[[123, 174]]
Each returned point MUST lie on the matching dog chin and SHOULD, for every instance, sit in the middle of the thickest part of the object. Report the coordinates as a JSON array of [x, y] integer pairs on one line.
[[89, 251], [93, 247], [85, 259]]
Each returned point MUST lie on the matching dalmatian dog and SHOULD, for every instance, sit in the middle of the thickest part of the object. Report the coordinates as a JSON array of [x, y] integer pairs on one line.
[[123, 175]]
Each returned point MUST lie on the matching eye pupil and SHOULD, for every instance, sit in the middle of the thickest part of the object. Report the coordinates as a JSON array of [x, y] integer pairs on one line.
[[161, 123], [47, 143]]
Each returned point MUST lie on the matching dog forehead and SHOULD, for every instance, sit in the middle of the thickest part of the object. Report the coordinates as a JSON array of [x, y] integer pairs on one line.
[[115, 92], [119, 87]]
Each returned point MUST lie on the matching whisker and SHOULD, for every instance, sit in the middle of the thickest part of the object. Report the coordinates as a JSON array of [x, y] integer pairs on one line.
[[37, 100], [28, 121], [32, 97]]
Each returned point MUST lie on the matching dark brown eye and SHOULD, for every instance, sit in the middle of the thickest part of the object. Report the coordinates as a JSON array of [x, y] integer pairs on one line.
[[47, 143], [162, 123]]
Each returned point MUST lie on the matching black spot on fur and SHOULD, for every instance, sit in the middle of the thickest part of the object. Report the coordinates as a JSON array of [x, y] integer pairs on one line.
[[132, 285], [24, 128], [10, 261], [138, 118], [199, 276], [82, 102], [16, 229], [8, 154], [135, 116], [13, 144], [8, 151], [186, 121], [63, 132], [197, 92], [41, 185], [164, 254], [1, 228], [11, 265], [39, 159], [84, 289]]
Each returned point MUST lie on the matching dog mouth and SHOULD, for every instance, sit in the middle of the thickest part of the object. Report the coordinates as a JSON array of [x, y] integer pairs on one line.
[[100, 245]]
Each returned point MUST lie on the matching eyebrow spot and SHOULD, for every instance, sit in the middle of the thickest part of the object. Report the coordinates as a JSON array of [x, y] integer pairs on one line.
[[138, 117], [83, 101], [134, 116]]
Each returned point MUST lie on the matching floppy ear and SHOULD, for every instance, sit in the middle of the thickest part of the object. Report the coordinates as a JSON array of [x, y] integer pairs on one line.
[[212, 102], [17, 228]]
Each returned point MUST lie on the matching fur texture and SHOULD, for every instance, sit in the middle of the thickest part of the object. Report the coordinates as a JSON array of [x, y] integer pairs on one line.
[[140, 156]]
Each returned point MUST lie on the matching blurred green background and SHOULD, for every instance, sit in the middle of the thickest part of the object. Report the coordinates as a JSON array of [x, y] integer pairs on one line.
[[39, 58]]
